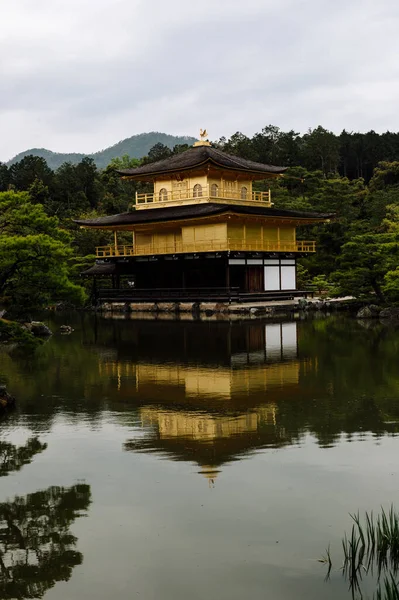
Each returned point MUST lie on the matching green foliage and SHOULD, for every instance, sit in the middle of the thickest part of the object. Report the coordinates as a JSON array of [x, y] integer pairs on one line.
[[302, 277], [364, 263], [321, 150], [157, 152], [34, 254], [136, 146], [124, 162], [22, 174], [321, 284], [372, 548], [37, 548], [356, 251], [13, 458], [14, 333], [385, 175]]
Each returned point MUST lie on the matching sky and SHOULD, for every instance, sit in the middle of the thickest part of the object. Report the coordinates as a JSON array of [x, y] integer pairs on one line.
[[80, 75]]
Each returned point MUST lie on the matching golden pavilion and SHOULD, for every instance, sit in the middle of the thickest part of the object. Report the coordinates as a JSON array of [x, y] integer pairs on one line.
[[202, 231], [217, 406]]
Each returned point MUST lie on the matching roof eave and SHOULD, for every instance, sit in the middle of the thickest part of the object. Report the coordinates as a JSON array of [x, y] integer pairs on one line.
[[126, 174]]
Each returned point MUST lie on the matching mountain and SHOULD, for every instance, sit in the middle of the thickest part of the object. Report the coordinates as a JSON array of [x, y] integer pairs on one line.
[[136, 146]]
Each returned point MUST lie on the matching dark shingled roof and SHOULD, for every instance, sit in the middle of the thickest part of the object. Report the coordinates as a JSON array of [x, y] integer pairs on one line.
[[100, 269], [198, 156], [193, 211]]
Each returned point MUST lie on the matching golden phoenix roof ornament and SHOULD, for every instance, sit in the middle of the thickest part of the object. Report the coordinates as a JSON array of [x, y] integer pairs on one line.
[[203, 141]]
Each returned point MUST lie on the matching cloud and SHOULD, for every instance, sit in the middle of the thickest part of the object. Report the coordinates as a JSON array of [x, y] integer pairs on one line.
[[78, 76]]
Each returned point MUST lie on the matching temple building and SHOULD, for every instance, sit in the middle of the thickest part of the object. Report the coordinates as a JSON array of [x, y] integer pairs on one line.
[[202, 228], [206, 395]]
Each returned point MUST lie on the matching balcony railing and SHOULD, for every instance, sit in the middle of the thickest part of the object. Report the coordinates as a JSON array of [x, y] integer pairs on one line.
[[205, 246], [207, 193], [106, 251]]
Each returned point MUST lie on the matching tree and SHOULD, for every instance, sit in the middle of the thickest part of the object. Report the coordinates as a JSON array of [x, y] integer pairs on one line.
[[385, 175], [37, 548], [77, 188], [239, 145], [157, 152], [23, 173], [68, 198], [5, 179], [321, 150], [365, 262], [13, 458], [88, 178], [179, 148], [34, 254], [39, 193], [123, 162], [118, 193]]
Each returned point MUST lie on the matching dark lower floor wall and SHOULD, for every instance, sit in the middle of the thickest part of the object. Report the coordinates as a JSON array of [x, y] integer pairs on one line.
[[179, 273], [247, 274]]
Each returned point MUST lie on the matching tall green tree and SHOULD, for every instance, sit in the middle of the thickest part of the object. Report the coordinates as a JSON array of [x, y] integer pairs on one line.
[[364, 263], [34, 254], [37, 548], [157, 152], [13, 458], [5, 178], [23, 173], [321, 150]]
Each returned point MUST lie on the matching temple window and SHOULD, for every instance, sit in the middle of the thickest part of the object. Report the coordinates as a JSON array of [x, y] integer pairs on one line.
[[244, 192], [163, 194], [214, 190], [197, 191]]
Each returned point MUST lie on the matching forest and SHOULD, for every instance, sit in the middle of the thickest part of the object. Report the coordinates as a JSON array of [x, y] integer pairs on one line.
[[354, 175], [135, 146]]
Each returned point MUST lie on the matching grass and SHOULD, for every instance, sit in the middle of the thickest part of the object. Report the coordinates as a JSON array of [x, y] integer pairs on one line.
[[388, 590], [373, 542], [372, 546], [327, 561]]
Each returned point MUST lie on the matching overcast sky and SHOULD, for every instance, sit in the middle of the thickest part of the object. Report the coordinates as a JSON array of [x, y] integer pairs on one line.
[[80, 75]]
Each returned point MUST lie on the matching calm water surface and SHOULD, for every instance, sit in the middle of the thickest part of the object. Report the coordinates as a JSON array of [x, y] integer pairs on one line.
[[173, 460]]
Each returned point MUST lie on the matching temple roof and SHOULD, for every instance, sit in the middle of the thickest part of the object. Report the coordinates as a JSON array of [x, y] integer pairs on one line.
[[197, 157], [100, 269], [193, 211]]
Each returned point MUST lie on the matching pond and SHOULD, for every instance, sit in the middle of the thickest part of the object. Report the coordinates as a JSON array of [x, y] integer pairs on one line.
[[187, 459]]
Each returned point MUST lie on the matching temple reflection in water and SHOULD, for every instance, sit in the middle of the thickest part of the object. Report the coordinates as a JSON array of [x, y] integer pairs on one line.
[[208, 398]]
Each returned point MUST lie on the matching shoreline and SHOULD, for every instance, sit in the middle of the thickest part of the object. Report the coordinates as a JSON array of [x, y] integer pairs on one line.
[[187, 310]]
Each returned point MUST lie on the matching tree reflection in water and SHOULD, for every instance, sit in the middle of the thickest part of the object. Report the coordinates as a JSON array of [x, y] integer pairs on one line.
[[37, 548], [13, 458]]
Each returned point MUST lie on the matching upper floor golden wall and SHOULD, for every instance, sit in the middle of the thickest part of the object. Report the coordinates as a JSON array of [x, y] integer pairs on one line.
[[200, 188], [210, 236]]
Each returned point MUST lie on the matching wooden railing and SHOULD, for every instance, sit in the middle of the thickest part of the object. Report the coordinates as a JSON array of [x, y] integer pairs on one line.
[[206, 193], [206, 246], [104, 251]]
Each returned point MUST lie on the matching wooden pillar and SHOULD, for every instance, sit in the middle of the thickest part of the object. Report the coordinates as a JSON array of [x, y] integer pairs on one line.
[[93, 294], [115, 243]]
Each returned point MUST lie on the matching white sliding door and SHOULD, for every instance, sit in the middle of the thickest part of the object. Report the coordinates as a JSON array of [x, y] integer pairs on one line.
[[288, 277], [272, 278]]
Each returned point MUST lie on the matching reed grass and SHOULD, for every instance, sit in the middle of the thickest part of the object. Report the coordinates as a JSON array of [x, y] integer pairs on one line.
[[388, 589], [372, 540], [372, 546]]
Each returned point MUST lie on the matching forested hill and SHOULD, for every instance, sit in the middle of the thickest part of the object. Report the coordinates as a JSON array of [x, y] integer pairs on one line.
[[136, 146]]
